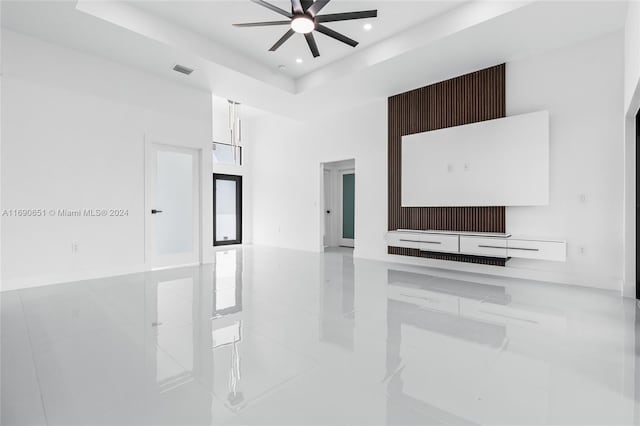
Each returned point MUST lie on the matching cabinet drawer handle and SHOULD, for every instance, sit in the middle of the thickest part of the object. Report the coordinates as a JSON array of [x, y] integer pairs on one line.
[[510, 248], [416, 241], [497, 247]]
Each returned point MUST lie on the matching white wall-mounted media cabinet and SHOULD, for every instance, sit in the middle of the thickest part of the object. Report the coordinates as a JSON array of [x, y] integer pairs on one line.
[[484, 244]]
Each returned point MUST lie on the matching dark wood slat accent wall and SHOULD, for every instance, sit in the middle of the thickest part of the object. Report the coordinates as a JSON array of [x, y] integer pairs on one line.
[[470, 98]]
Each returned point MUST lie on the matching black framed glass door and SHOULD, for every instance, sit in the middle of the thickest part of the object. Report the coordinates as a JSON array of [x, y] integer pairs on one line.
[[227, 209]]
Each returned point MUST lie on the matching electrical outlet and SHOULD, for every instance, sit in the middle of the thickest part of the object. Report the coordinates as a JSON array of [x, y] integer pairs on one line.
[[582, 250], [583, 198], [467, 167], [74, 247]]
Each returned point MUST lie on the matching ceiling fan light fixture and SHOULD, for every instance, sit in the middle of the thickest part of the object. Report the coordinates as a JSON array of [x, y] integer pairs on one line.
[[302, 24], [304, 18]]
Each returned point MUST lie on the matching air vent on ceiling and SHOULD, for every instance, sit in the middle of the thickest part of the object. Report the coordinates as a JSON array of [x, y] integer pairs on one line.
[[182, 69]]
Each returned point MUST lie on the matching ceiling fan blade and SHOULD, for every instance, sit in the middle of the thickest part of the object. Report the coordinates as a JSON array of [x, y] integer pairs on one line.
[[317, 6], [306, 4], [275, 9], [280, 42], [296, 6], [333, 17], [262, 24], [311, 41], [334, 34]]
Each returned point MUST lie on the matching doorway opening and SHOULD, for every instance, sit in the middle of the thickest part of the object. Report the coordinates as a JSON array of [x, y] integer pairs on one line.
[[338, 201], [227, 209]]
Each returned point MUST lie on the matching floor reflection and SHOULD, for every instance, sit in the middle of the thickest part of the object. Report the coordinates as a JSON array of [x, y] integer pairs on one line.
[[274, 336], [175, 328], [337, 322], [470, 353], [226, 322], [227, 281]]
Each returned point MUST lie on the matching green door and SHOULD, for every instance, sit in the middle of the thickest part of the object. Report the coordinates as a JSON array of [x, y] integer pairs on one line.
[[348, 205]]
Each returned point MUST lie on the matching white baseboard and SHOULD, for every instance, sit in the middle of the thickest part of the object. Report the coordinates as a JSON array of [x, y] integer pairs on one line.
[[48, 279], [629, 289], [184, 265], [528, 274], [65, 277]]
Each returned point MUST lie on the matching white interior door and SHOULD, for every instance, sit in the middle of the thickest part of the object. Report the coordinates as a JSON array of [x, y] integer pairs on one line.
[[173, 206]]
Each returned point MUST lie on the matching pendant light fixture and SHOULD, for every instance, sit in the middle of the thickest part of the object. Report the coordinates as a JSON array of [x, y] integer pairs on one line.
[[235, 126]]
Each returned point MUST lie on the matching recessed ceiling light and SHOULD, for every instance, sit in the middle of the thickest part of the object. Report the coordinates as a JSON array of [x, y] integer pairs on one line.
[[299, 60], [367, 27], [302, 24]]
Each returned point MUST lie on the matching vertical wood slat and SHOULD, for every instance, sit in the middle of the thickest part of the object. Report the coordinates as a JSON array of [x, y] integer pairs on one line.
[[469, 98]]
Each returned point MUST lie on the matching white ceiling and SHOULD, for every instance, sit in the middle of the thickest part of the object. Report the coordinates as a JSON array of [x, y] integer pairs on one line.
[[214, 19], [469, 37]]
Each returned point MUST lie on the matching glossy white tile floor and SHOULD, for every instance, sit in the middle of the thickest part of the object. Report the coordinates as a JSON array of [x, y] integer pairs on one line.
[[279, 337]]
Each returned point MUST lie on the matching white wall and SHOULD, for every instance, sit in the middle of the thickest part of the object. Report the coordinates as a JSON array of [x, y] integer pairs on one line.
[[632, 53], [631, 106], [582, 89], [73, 131], [220, 120], [581, 86], [287, 177]]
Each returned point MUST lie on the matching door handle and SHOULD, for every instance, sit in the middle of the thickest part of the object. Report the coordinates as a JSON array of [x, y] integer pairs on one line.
[[154, 211]]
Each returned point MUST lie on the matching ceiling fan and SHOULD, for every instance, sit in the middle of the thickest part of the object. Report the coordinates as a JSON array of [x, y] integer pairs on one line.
[[304, 19]]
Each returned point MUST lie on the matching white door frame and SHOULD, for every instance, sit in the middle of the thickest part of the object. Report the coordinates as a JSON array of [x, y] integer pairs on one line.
[[344, 242], [149, 260], [327, 205]]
